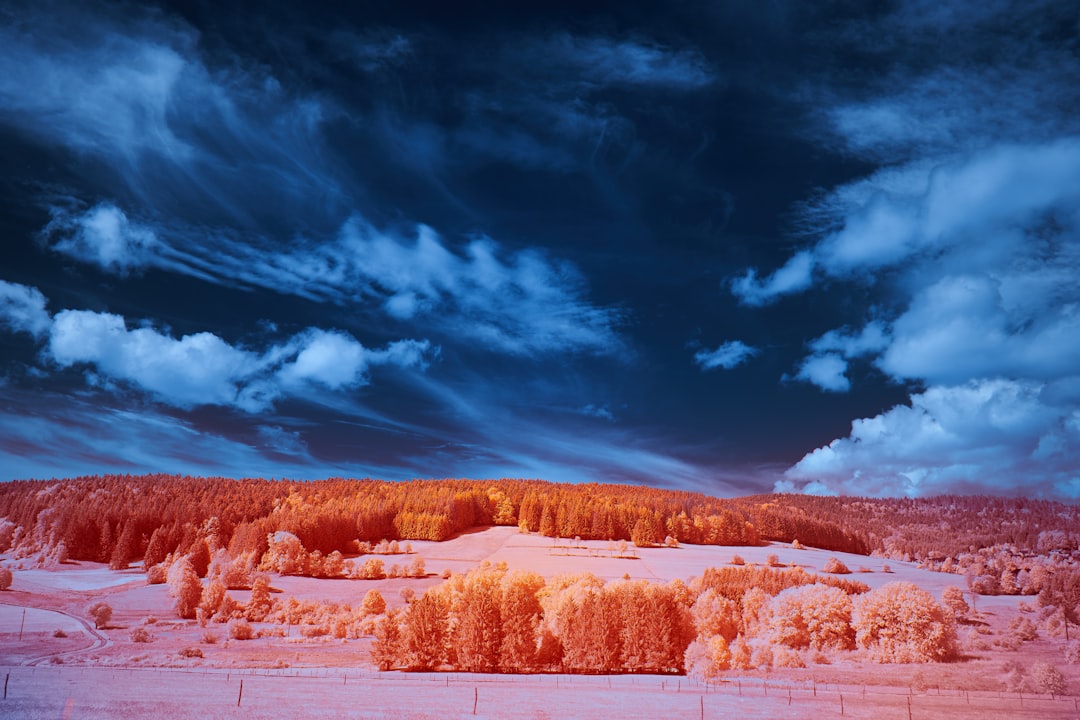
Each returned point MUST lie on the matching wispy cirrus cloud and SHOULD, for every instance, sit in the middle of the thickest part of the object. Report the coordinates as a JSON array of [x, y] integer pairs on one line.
[[728, 355], [253, 194], [516, 303]]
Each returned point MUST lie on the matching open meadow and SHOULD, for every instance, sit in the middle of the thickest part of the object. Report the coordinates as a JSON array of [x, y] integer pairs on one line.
[[145, 661]]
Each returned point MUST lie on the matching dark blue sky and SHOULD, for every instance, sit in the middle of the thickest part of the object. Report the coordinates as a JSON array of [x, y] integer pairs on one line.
[[730, 247]]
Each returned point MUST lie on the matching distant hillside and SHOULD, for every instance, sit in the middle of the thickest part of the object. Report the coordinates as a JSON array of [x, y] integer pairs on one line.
[[121, 518]]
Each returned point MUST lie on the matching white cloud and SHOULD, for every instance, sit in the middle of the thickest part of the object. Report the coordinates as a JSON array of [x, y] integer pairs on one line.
[[22, 308], [826, 371], [871, 339], [102, 236], [728, 355], [199, 369], [795, 275], [992, 435], [203, 369], [517, 303]]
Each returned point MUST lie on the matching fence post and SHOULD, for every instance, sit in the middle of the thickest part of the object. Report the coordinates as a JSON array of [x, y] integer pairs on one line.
[[241, 695], [841, 703], [476, 699]]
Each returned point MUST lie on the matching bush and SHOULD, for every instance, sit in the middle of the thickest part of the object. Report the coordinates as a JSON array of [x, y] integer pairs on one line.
[[835, 567], [240, 629], [209, 638], [191, 652], [157, 574], [6, 578], [59, 634], [737, 560], [141, 635], [101, 612], [772, 561]]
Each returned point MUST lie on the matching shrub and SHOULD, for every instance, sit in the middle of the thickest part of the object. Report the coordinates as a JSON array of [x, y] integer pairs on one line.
[[240, 629], [191, 652], [101, 612], [737, 560], [1023, 628], [1072, 653], [59, 634], [772, 561], [953, 597], [209, 638], [812, 616], [835, 567], [373, 603], [6, 578], [312, 631], [141, 635], [157, 574]]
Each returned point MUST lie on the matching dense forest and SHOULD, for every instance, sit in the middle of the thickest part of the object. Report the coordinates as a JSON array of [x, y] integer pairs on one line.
[[120, 519]]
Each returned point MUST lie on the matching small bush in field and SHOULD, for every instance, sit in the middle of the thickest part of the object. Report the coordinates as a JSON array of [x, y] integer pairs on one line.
[[312, 631], [101, 612], [737, 560], [157, 574], [6, 577], [191, 652], [141, 635], [772, 561], [150, 620], [209, 638], [59, 634], [835, 567], [445, 574], [240, 629]]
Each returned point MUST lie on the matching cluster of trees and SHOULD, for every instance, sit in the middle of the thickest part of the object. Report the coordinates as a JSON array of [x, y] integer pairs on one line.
[[119, 518], [491, 620]]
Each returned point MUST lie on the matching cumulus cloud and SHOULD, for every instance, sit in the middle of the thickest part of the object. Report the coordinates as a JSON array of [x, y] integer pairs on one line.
[[728, 355], [970, 231], [826, 371], [102, 236], [203, 369], [984, 434], [22, 309]]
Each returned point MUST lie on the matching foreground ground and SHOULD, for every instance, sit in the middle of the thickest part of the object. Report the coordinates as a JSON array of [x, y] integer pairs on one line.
[[56, 664]]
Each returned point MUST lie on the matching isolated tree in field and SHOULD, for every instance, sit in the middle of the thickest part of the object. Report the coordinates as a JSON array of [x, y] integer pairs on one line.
[[953, 598], [5, 578], [834, 566], [185, 586], [373, 603], [1048, 679], [101, 612], [260, 604], [902, 623]]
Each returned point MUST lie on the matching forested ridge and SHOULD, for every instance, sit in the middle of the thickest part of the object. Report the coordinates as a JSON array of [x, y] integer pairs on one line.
[[121, 518]]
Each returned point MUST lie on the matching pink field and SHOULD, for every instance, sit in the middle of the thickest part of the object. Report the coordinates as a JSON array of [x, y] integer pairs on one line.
[[105, 674]]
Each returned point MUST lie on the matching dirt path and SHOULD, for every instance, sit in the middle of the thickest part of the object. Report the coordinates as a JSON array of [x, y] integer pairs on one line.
[[98, 641]]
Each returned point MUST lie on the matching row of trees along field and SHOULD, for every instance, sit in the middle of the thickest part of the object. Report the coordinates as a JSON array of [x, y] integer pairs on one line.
[[490, 620]]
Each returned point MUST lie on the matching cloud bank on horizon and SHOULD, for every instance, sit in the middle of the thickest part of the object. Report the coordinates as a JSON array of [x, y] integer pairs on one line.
[[364, 244]]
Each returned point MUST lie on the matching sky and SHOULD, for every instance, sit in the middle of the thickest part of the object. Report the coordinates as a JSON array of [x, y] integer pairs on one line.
[[727, 247]]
